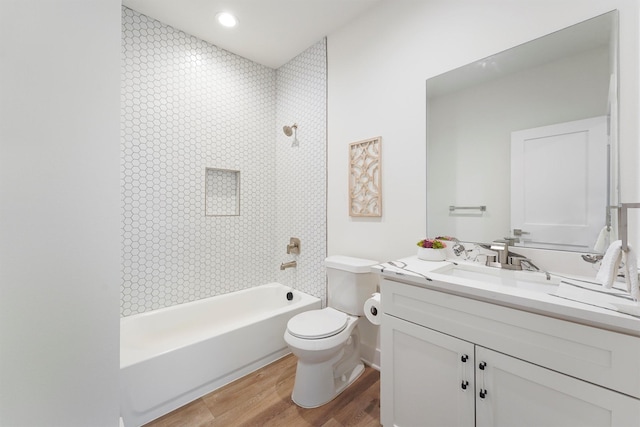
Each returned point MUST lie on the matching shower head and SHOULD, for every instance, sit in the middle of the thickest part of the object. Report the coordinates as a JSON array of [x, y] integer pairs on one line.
[[289, 130]]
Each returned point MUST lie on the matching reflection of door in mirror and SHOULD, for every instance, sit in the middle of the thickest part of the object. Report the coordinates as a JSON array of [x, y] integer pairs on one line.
[[558, 184]]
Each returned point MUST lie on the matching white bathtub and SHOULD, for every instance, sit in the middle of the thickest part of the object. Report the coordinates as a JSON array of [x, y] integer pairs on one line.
[[172, 356]]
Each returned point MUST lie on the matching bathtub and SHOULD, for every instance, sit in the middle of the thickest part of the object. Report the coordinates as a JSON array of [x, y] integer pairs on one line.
[[174, 355]]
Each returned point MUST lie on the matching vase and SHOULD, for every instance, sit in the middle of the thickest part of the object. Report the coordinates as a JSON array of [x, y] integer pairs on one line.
[[430, 254]]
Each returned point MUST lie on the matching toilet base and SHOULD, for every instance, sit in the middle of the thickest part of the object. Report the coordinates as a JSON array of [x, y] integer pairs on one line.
[[317, 383], [309, 392]]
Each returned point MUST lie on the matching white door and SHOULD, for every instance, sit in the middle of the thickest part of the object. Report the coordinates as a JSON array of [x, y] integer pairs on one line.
[[427, 377], [558, 184], [517, 393]]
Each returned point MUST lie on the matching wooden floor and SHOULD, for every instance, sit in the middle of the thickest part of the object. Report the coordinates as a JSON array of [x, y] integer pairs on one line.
[[263, 398]]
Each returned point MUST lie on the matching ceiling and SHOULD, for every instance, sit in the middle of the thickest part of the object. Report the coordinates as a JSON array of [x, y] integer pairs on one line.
[[270, 32]]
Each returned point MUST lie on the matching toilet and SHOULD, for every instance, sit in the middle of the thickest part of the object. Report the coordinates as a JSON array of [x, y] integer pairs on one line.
[[327, 341]]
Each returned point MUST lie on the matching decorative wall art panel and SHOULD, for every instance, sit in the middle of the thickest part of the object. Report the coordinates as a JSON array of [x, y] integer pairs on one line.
[[365, 187]]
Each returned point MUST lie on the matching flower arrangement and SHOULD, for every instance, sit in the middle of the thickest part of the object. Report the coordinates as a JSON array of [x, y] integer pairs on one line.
[[432, 244]]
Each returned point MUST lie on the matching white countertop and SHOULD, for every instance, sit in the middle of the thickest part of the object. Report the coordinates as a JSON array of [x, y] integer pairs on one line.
[[416, 272]]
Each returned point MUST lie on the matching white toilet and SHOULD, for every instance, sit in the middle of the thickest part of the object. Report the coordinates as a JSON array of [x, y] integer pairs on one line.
[[327, 341]]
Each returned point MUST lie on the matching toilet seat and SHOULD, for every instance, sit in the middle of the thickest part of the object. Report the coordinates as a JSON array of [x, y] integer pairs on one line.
[[317, 324]]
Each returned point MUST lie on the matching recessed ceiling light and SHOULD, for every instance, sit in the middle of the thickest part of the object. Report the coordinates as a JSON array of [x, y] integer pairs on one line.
[[226, 19]]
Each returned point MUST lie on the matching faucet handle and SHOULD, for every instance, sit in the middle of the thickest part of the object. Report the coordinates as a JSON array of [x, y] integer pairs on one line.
[[294, 246], [510, 240], [499, 245]]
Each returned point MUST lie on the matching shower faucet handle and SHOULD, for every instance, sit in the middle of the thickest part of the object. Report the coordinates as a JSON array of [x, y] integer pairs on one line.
[[294, 246]]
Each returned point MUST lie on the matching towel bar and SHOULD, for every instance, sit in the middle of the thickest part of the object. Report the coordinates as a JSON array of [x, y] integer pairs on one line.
[[622, 221], [482, 208]]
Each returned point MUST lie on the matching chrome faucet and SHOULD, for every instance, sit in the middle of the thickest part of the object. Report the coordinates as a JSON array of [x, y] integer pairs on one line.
[[502, 247], [290, 264], [505, 259]]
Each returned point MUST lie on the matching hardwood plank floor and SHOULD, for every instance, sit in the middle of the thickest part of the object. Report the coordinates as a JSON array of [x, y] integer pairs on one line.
[[263, 398]]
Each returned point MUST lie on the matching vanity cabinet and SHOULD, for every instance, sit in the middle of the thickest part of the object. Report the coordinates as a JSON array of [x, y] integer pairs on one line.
[[452, 361]]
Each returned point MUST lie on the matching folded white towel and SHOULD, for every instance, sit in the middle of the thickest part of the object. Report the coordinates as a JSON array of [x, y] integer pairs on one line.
[[631, 273], [602, 240], [609, 266]]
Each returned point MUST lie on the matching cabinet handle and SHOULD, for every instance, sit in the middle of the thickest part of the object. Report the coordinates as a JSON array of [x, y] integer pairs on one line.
[[464, 385], [482, 365], [483, 393], [464, 358]]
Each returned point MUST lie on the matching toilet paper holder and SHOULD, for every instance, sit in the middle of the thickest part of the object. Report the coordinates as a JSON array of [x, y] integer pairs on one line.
[[372, 308]]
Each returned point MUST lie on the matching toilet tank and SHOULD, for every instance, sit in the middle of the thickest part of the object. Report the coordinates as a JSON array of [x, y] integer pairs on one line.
[[350, 283]]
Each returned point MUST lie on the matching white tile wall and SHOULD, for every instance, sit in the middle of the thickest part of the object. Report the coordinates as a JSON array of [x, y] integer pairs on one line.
[[301, 167], [186, 106]]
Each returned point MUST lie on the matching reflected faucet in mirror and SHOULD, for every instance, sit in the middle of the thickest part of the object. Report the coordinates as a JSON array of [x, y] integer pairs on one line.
[[459, 249]]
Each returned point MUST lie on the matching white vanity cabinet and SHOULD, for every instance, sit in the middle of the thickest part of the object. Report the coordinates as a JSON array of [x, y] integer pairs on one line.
[[448, 360]]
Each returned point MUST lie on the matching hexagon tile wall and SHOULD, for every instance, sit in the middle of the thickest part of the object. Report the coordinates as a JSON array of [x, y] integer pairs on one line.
[[187, 106], [301, 166]]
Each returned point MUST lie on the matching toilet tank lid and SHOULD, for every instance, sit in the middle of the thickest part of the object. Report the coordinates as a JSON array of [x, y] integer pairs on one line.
[[351, 264]]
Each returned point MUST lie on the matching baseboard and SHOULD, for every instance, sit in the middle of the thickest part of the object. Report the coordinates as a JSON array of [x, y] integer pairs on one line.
[[370, 355]]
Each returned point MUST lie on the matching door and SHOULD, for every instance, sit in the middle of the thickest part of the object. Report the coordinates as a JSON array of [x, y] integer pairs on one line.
[[427, 377], [511, 392], [559, 184]]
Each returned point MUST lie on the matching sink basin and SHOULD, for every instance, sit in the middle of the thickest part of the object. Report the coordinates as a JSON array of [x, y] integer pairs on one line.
[[527, 280]]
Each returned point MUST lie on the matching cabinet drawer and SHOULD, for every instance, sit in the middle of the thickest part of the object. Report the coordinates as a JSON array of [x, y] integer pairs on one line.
[[602, 357]]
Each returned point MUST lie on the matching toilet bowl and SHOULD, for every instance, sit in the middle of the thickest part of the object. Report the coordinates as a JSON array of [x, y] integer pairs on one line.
[[328, 357], [327, 341]]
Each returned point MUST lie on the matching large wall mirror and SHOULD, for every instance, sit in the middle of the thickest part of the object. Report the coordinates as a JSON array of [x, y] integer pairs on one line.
[[524, 143]]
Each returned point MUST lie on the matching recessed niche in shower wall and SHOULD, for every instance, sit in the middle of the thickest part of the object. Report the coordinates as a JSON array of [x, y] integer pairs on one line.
[[222, 192]]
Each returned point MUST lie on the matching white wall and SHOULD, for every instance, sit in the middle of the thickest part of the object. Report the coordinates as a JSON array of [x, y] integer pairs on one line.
[[59, 215], [378, 66]]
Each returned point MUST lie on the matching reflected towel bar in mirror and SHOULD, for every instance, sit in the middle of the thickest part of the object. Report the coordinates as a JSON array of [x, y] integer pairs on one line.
[[482, 208]]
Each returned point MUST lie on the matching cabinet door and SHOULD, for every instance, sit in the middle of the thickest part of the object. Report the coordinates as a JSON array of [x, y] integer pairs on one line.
[[426, 377], [511, 392]]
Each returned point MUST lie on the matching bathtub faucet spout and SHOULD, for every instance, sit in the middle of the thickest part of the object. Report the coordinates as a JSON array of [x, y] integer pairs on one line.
[[290, 264]]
